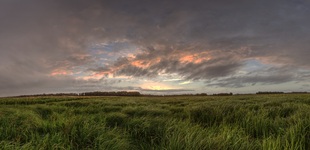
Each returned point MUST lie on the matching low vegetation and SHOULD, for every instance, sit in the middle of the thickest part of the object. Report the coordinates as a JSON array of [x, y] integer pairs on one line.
[[240, 122]]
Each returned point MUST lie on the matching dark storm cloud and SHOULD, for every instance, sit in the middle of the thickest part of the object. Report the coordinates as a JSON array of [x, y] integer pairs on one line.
[[242, 81], [38, 37], [130, 70], [269, 76]]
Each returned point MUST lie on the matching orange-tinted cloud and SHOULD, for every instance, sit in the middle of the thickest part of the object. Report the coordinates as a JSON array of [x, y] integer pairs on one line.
[[144, 63], [58, 72], [195, 58], [97, 75]]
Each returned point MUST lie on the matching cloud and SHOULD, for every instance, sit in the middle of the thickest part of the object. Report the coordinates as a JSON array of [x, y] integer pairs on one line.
[[265, 76], [242, 81], [152, 62], [195, 40]]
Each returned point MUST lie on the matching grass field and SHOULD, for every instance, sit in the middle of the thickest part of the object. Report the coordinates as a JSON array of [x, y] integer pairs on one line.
[[245, 122]]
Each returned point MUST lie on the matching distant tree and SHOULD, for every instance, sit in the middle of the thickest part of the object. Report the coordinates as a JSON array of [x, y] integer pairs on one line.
[[223, 94], [201, 94]]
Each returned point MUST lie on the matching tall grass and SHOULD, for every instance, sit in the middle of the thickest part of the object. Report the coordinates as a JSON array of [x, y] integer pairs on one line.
[[280, 122]]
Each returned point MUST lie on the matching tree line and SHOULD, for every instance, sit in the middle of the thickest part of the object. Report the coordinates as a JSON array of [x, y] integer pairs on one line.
[[120, 93], [135, 93]]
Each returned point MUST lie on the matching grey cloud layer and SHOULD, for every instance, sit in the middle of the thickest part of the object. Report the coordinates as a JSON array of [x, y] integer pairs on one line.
[[38, 37], [218, 66]]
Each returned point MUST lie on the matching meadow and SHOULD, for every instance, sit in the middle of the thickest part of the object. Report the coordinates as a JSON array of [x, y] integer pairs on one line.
[[239, 122]]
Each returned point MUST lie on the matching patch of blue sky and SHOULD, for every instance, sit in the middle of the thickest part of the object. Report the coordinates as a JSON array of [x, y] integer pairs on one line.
[[106, 53], [254, 65], [80, 74], [117, 48], [80, 71], [304, 71]]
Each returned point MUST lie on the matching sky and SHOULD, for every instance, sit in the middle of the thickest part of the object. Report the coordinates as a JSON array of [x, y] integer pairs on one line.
[[154, 47]]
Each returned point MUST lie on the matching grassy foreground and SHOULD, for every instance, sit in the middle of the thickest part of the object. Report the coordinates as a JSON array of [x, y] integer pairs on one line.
[[253, 122]]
